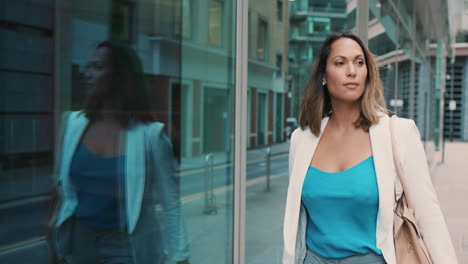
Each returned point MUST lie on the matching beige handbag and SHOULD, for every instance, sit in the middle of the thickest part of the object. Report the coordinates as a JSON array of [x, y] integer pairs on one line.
[[409, 244]]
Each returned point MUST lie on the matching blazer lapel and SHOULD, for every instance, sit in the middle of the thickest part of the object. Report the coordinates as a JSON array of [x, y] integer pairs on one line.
[[76, 124], [384, 168], [306, 147], [135, 168], [74, 131]]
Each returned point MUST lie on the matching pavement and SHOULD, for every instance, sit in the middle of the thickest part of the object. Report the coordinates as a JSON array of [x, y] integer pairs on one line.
[[450, 180], [210, 235]]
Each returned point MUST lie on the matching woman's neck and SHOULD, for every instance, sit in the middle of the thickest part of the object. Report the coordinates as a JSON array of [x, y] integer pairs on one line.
[[107, 112], [344, 115]]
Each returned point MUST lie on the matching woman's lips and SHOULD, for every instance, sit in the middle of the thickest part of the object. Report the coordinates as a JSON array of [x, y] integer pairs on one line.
[[351, 85]]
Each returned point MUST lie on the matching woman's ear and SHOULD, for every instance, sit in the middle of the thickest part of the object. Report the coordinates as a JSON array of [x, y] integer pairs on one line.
[[324, 79]]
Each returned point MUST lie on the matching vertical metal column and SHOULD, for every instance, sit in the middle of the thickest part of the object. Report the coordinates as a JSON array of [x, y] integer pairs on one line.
[[363, 20], [397, 48], [452, 80], [240, 136], [412, 90], [210, 199], [268, 168], [439, 95]]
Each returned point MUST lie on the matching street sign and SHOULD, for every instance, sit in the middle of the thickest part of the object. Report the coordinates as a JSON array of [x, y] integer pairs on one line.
[[452, 105], [396, 102]]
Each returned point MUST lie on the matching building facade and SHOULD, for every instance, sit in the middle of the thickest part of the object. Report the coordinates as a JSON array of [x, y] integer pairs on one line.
[[400, 35]]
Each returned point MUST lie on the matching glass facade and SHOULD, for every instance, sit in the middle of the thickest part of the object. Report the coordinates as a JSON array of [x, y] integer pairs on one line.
[[147, 165], [118, 129]]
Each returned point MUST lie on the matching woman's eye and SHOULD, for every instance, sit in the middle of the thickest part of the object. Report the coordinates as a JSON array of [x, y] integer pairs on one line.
[[338, 63], [360, 62]]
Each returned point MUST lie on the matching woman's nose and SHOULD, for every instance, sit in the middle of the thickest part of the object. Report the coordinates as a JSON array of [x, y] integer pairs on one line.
[[351, 70], [87, 73]]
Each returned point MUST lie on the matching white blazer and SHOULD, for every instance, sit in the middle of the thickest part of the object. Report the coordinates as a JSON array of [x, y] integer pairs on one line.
[[148, 172], [420, 191]]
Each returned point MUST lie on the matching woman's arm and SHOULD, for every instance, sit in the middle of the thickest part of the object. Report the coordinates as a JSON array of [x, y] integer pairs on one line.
[[167, 185], [422, 195]]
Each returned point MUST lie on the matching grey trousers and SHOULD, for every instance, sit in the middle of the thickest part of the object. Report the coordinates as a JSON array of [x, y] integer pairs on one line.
[[369, 258], [99, 246]]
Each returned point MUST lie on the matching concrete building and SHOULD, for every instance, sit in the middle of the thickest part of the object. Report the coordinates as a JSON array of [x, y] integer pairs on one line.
[[399, 34], [311, 22], [268, 72]]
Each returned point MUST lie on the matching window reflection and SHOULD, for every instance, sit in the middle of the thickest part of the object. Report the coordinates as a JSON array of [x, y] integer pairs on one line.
[[127, 130], [215, 22], [115, 166]]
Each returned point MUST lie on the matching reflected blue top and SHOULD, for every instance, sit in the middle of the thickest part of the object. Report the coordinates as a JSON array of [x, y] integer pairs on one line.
[[342, 210], [97, 181]]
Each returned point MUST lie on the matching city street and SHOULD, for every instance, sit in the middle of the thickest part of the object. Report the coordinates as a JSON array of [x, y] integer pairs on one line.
[[265, 213], [209, 234]]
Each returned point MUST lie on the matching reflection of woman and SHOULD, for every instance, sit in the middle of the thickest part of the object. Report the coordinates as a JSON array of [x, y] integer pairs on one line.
[[342, 178], [114, 165]]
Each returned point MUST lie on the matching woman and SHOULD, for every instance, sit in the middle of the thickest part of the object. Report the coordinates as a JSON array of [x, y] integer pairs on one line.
[[113, 167], [342, 178]]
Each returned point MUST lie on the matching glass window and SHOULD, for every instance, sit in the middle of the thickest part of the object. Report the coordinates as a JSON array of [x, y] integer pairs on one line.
[[320, 26], [262, 40], [279, 64], [122, 20], [279, 8], [109, 137], [183, 20], [215, 22], [319, 5], [351, 19]]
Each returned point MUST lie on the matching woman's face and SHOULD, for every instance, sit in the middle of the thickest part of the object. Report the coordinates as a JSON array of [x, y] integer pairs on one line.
[[346, 71], [98, 72]]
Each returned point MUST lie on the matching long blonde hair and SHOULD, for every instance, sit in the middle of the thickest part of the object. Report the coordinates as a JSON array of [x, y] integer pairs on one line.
[[316, 102]]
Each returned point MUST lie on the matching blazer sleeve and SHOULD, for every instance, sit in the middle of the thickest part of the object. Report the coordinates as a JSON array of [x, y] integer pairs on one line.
[[167, 185], [422, 194], [60, 145]]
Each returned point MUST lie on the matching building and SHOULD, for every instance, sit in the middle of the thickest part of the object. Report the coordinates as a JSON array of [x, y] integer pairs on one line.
[[311, 22], [399, 34], [268, 72]]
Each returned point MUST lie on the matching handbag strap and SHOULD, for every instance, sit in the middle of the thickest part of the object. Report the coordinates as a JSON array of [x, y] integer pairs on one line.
[[396, 159]]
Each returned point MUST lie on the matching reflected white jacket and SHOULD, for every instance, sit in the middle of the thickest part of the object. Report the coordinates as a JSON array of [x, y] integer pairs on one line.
[[420, 191], [149, 178]]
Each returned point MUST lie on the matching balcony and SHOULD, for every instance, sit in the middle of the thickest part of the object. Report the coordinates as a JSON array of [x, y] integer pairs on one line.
[[298, 11], [302, 35]]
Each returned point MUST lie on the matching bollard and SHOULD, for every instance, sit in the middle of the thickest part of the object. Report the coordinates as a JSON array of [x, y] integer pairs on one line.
[[210, 199], [268, 169]]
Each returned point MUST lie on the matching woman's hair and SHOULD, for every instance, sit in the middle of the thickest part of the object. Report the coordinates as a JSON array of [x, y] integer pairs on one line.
[[127, 84], [316, 102]]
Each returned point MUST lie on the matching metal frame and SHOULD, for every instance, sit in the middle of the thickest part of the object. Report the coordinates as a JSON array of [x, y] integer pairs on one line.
[[240, 135], [362, 17]]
